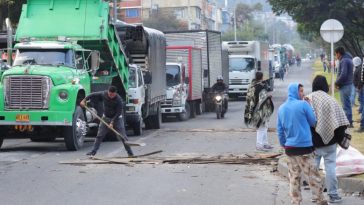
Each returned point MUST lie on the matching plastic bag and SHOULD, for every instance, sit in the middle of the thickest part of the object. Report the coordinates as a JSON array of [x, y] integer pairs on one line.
[[349, 162]]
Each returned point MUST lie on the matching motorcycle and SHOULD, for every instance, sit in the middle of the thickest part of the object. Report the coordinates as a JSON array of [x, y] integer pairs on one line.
[[220, 105]]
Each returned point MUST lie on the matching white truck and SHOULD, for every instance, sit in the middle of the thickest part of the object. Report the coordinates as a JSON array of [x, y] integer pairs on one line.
[[146, 50], [210, 44], [184, 83], [245, 58]]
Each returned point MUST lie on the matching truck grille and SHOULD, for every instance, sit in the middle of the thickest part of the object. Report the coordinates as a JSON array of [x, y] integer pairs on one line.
[[27, 92], [167, 103], [239, 81]]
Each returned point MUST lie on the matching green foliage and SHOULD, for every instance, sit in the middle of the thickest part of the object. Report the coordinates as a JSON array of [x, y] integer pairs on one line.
[[12, 9], [165, 22], [310, 14]]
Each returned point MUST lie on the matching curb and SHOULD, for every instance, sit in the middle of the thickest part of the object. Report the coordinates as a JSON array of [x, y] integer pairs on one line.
[[347, 184]]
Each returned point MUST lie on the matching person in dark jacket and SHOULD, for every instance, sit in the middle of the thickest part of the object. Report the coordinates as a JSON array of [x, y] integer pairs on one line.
[[329, 130], [359, 86], [344, 81], [113, 109], [221, 87]]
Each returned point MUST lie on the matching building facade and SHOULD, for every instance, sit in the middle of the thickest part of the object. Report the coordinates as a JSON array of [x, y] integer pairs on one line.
[[130, 11]]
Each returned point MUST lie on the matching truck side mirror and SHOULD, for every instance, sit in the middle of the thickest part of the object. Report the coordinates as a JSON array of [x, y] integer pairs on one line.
[[259, 65], [147, 77], [187, 80], [95, 60]]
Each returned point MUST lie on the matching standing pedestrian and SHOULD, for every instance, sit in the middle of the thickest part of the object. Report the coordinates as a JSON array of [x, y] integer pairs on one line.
[[344, 81], [113, 109], [258, 110], [282, 71], [295, 116], [359, 86], [329, 130]]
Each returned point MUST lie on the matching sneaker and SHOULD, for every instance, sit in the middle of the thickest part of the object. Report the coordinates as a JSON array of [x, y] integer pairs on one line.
[[335, 198], [261, 148], [360, 130], [92, 153], [267, 146]]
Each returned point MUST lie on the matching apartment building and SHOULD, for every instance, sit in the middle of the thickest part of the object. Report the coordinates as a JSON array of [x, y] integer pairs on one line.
[[198, 14], [130, 11]]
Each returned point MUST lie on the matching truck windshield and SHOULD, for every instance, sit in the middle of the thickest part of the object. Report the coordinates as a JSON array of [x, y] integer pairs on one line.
[[132, 78], [241, 64], [53, 57], [173, 75]]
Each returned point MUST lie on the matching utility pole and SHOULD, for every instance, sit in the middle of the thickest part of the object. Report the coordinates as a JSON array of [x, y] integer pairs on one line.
[[115, 11], [235, 23], [189, 15]]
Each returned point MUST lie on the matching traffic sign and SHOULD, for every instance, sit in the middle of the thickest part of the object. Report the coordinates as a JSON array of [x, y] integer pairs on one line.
[[332, 31]]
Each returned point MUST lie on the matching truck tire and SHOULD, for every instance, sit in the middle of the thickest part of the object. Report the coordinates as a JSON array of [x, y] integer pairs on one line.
[[138, 127], [193, 110], [198, 108], [73, 135], [185, 115], [3, 133], [157, 119]]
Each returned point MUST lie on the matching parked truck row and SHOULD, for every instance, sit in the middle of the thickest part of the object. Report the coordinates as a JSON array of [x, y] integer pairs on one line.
[[61, 59]]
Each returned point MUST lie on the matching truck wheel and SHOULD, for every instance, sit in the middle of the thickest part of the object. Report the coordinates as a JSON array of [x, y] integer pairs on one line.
[[137, 127], [185, 115], [148, 123], [157, 119], [193, 109], [74, 135], [198, 108], [3, 133]]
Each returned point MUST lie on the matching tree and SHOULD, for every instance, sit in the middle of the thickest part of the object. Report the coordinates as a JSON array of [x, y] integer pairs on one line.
[[12, 9], [165, 22], [310, 14]]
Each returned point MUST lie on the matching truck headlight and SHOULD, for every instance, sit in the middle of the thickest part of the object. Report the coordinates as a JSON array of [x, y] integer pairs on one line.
[[176, 102], [63, 95]]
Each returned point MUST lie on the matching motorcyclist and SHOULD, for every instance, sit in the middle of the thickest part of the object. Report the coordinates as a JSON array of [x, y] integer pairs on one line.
[[221, 87]]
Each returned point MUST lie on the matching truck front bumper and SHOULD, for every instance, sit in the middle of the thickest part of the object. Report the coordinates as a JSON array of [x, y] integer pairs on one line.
[[41, 118], [172, 110], [238, 90]]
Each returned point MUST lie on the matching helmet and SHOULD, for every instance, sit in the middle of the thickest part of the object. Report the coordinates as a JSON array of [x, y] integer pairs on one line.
[[356, 61], [219, 77]]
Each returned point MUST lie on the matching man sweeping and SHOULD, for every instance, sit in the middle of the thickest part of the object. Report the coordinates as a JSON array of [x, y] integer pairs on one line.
[[113, 109]]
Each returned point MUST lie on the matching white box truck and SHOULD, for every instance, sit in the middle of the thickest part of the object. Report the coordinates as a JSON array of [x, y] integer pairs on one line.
[[184, 83], [210, 44], [245, 58]]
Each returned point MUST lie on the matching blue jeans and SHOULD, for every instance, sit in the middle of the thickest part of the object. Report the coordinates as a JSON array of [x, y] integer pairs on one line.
[[353, 95], [361, 108], [345, 96], [329, 155]]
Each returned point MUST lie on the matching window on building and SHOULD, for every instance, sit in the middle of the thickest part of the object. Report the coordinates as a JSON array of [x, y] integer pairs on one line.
[[132, 13], [198, 13], [180, 13]]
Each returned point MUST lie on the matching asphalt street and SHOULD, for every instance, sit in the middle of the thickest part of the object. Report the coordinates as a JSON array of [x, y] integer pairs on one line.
[[30, 172]]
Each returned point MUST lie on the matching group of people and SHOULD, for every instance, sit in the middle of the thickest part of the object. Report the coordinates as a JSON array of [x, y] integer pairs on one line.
[[349, 82], [309, 127]]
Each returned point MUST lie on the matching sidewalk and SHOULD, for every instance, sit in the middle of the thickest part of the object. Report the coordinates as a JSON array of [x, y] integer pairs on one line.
[[347, 184]]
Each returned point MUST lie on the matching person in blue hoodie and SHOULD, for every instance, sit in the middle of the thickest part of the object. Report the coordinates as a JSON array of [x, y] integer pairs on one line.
[[295, 117], [344, 81]]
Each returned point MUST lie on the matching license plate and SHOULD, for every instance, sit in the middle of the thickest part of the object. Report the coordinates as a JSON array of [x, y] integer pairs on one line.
[[22, 118]]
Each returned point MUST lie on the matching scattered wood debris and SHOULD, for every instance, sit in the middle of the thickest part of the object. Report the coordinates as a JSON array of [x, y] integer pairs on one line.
[[217, 130], [262, 159]]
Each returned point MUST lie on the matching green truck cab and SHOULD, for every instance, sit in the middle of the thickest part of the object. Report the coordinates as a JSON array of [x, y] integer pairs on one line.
[[64, 51]]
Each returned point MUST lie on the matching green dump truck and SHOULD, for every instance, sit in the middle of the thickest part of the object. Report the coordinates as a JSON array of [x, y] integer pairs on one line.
[[64, 51]]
